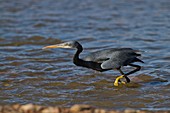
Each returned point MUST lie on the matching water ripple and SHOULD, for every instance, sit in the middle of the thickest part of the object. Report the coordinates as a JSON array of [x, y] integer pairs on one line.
[[32, 75]]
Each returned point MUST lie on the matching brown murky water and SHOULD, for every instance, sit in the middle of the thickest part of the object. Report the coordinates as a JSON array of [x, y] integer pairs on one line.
[[48, 77]]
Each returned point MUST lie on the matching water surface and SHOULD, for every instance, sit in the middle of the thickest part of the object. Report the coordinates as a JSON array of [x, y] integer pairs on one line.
[[48, 77]]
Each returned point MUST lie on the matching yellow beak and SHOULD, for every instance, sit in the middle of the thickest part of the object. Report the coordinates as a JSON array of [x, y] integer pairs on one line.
[[62, 45]]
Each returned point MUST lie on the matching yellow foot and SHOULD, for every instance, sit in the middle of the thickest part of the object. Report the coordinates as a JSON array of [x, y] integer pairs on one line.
[[116, 83]]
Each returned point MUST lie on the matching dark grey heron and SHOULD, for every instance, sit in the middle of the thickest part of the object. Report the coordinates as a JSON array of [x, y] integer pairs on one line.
[[104, 60]]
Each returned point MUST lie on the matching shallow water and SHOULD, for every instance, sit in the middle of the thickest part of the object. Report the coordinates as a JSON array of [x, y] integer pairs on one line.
[[48, 77]]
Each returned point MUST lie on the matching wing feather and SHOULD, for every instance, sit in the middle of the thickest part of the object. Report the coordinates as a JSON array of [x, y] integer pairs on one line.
[[113, 58], [111, 63]]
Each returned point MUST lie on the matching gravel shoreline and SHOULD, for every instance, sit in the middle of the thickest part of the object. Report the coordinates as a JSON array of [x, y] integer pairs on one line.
[[31, 108]]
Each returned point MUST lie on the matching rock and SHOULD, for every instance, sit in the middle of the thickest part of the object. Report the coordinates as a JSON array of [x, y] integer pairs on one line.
[[81, 109], [31, 108]]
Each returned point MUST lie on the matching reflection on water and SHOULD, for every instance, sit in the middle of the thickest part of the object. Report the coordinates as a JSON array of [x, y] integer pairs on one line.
[[48, 77]]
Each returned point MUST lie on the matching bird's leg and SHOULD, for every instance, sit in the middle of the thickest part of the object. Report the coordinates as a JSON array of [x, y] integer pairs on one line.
[[127, 79], [133, 71], [125, 75], [116, 83]]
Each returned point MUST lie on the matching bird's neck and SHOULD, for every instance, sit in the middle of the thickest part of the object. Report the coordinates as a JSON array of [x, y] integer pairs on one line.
[[89, 64], [76, 58]]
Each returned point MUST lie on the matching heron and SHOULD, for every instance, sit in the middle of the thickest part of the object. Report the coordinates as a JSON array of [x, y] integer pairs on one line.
[[104, 60]]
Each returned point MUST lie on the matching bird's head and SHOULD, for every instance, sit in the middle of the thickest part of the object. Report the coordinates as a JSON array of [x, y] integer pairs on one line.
[[70, 44]]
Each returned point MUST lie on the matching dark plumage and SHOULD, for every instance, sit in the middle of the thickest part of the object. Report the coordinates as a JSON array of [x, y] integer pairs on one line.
[[114, 58], [104, 60]]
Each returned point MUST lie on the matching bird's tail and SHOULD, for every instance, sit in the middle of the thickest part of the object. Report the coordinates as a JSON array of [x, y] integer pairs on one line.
[[138, 60], [138, 52]]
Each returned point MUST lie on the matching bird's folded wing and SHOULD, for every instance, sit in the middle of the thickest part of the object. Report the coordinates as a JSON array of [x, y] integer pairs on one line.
[[111, 63]]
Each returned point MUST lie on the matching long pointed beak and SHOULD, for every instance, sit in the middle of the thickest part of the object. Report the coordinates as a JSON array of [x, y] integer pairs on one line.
[[62, 45]]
